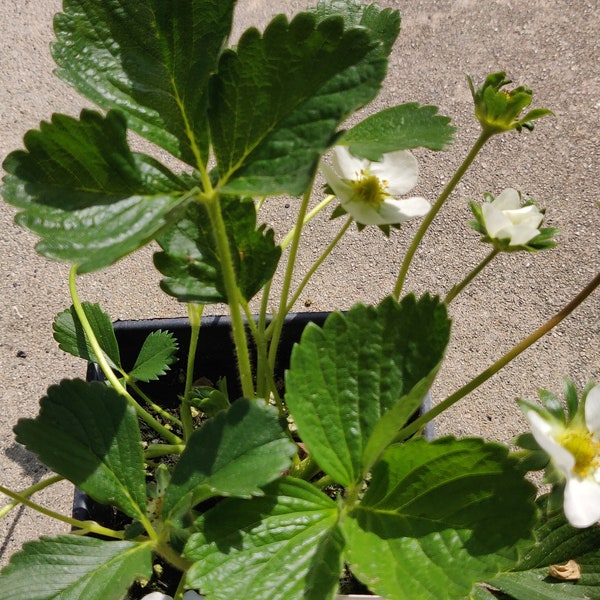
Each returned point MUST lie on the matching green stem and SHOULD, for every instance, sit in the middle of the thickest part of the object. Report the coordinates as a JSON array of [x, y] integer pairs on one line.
[[277, 323], [155, 407], [500, 363], [84, 526], [27, 493], [195, 317], [318, 263], [106, 368], [465, 282], [232, 292], [308, 217], [156, 450], [430, 216]]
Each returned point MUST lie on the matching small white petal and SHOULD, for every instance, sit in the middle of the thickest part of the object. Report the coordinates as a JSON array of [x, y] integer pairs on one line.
[[347, 165], [582, 502], [543, 433], [519, 235], [404, 209], [340, 188], [156, 596], [592, 411], [495, 221], [399, 169], [528, 215], [509, 199]]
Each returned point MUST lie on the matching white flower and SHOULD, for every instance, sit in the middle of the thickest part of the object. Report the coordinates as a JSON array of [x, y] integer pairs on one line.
[[189, 595], [505, 218], [366, 189], [575, 451]]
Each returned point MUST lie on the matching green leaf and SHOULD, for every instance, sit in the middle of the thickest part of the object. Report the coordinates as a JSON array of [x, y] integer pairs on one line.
[[190, 262], [438, 517], [557, 542], [71, 337], [401, 127], [152, 60], [286, 543], [66, 567], [90, 435], [278, 99], [382, 24], [353, 384], [158, 352], [232, 454], [83, 191]]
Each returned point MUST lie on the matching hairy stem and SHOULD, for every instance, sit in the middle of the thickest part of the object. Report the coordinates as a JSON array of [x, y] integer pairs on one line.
[[430, 216], [500, 363], [27, 493], [107, 370], [232, 292], [459, 287]]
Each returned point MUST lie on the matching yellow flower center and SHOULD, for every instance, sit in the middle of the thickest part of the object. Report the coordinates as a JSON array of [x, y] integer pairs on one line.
[[582, 445], [369, 189]]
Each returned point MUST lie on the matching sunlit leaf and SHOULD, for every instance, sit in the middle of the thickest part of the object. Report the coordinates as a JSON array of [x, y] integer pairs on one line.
[[286, 543]]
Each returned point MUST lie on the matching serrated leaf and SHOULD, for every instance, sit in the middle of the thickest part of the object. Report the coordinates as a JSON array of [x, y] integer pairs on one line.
[[278, 99], [353, 384], [90, 435], [232, 454], [151, 60], [82, 190], [438, 517], [402, 127], [190, 261], [67, 567], [71, 337], [158, 352], [383, 24], [557, 542], [286, 543]]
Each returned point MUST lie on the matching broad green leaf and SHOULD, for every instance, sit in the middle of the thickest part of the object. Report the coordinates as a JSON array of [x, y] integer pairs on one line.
[[286, 543], [438, 517], [70, 567], [354, 383], [278, 99], [401, 127], [90, 435], [190, 262], [557, 542], [232, 454], [148, 58], [71, 338], [158, 352], [83, 191]]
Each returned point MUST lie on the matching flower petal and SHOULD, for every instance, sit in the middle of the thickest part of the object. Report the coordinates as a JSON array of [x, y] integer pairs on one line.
[[348, 166], [542, 432], [519, 235], [495, 220], [340, 188], [509, 199], [592, 411], [582, 502], [527, 215], [399, 169]]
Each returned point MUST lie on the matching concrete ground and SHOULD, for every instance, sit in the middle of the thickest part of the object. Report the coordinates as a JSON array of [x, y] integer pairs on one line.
[[548, 45]]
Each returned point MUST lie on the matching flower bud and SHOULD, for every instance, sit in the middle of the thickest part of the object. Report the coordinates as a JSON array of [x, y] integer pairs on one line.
[[499, 110]]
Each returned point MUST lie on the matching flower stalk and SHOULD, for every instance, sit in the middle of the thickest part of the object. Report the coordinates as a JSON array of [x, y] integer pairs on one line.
[[478, 380]]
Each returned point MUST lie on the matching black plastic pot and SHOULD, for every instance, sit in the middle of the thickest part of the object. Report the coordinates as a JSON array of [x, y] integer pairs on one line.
[[214, 360]]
